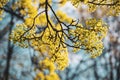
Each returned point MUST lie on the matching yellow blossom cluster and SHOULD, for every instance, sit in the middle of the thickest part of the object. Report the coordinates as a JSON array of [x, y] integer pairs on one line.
[[90, 37], [17, 35], [63, 16], [114, 10], [2, 3], [27, 8], [112, 6], [47, 71], [50, 44], [41, 76], [40, 20]]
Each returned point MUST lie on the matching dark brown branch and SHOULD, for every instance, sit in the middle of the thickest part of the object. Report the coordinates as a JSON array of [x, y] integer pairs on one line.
[[32, 25], [106, 4]]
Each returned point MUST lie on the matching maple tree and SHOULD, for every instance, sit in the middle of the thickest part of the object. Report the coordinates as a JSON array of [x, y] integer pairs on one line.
[[50, 32]]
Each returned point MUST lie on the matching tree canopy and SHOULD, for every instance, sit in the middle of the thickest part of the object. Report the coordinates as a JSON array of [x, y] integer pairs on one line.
[[51, 31]]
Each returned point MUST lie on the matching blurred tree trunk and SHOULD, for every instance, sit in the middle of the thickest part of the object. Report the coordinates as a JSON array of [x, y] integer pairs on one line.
[[9, 53], [95, 70], [111, 68], [3, 32], [118, 68]]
